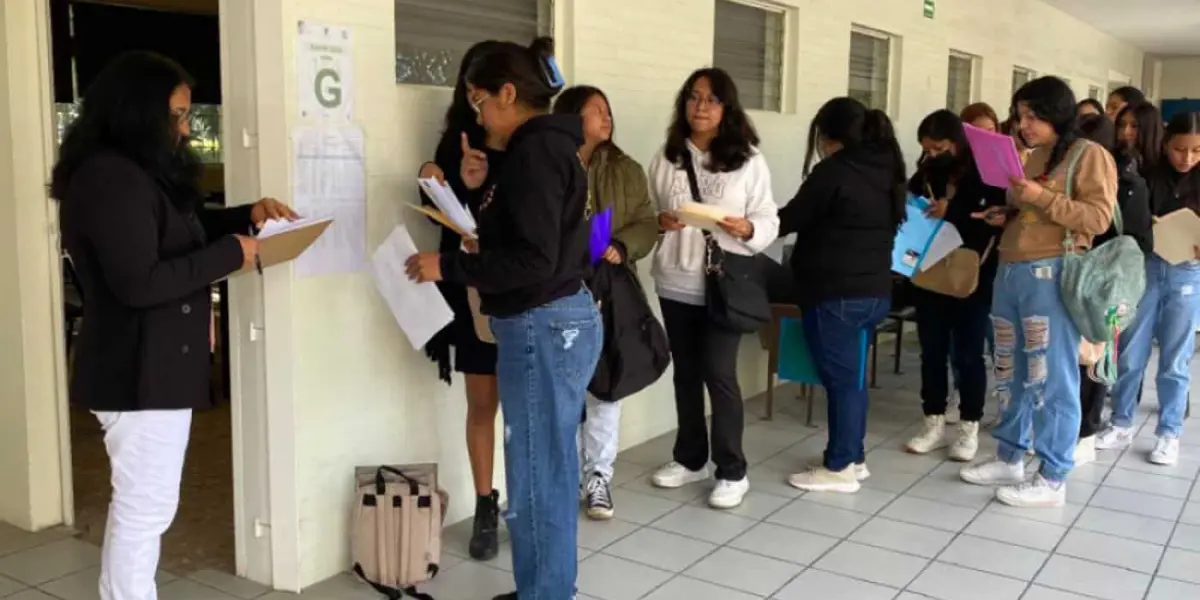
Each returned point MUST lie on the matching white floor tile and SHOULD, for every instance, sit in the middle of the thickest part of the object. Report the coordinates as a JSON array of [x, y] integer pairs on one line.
[[610, 578], [686, 588], [85, 585], [876, 565], [821, 584], [1016, 531], [818, 518], [994, 557], [891, 481], [467, 576], [929, 513], [1063, 515], [708, 524], [687, 493], [1191, 513], [9, 587], [1092, 579], [756, 505], [13, 540], [1111, 550], [744, 571], [784, 543], [49, 562], [234, 586], [1123, 524], [1182, 565], [949, 582], [31, 595], [660, 549], [1138, 503], [597, 535], [1148, 483], [1186, 537], [902, 537], [1037, 592], [639, 508], [186, 589], [865, 500], [1169, 589]]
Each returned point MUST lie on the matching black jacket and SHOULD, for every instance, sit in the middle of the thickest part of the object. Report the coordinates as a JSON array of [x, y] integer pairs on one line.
[[971, 195], [1171, 191], [533, 227], [635, 352], [1133, 198], [145, 268], [845, 223]]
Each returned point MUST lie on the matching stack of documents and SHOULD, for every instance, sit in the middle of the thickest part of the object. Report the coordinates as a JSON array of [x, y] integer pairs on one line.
[[450, 212], [996, 156], [1176, 236], [922, 241], [276, 227], [701, 216], [419, 308]]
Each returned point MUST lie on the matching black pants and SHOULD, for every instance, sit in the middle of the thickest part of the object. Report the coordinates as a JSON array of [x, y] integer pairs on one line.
[[705, 356], [1091, 400], [944, 322]]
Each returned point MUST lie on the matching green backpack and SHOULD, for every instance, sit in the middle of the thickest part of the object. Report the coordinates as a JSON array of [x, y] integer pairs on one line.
[[1101, 289]]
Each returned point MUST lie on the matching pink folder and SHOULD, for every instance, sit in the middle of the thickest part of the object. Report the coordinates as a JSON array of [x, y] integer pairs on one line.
[[995, 155]]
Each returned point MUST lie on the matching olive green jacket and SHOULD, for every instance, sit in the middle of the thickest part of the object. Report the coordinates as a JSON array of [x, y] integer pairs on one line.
[[616, 180]]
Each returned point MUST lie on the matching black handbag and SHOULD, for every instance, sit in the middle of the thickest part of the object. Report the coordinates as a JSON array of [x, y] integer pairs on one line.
[[735, 286]]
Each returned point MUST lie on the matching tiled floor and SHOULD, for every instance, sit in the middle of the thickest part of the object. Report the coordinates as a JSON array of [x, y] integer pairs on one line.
[[1131, 530]]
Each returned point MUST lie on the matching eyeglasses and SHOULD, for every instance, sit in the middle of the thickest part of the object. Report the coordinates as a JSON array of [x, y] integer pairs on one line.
[[477, 103], [181, 115], [698, 100]]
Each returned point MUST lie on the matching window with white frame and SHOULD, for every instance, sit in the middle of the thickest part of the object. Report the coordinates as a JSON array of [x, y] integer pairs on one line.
[[1093, 92], [1020, 77], [960, 81], [870, 67], [748, 40], [433, 35]]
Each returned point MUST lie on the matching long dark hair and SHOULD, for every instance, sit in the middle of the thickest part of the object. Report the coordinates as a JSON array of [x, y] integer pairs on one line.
[[1184, 123], [1099, 129], [1129, 94], [945, 126], [572, 100], [525, 67], [127, 110], [1051, 100], [1148, 148], [736, 136], [460, 117], [1092, 102], [848, 122]]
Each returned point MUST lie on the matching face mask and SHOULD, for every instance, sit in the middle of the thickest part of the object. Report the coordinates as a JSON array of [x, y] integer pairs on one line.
[[938, 163]]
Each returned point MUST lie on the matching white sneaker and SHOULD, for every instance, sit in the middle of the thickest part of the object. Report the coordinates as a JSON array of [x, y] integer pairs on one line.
[[1085, 451], [931, 438], [1166, 451], [820, 479], [729, 494], [1038, 493], [861, 472], [674, 475], [993, 472], [967, 443], [1115, 438], [952, 405]]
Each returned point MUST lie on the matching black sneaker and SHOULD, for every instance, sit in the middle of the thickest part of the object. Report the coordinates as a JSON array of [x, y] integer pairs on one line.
[[485, 537], [599, 498]]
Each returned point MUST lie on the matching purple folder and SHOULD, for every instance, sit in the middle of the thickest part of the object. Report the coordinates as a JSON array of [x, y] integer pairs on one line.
[[601, 234], [995, 155]]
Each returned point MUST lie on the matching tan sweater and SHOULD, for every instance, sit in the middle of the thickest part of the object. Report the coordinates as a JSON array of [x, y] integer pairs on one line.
[[1037, 231]]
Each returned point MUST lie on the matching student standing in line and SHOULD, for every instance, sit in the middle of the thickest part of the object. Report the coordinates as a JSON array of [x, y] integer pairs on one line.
[[1037, 343], [952, 328], [1089, 106], [1120, 98], [529, 270], [618, 182], [711, 134], [845, 217], [468, 164], [1169, 312], [1133, 200], [146, 253]]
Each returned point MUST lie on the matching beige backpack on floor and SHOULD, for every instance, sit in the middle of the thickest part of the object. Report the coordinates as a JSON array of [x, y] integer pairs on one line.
[[397, 536]]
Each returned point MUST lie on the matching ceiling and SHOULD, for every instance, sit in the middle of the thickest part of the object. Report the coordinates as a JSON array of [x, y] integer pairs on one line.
[[1168, 27]]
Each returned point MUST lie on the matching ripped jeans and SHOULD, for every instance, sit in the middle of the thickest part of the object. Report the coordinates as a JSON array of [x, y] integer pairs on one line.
[[1169, 313], [1036, 365], [546, 357]]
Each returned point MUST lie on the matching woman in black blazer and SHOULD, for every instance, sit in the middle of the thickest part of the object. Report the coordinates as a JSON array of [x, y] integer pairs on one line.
[[145, 253]]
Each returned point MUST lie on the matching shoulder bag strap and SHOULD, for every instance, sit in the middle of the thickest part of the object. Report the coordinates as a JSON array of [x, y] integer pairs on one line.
[[1069, 189], [710, 243]]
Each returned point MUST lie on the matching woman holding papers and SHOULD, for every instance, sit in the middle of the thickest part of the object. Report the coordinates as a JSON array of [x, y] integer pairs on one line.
[[845, 217], [468, 164], [954, 329], [1169, 312], [616, 182], [146, 254], [529, 270], [711, 137], [1037, 342]]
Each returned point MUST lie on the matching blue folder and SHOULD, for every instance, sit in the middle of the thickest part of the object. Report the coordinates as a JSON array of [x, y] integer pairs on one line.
[[915, 236], [796, 362]]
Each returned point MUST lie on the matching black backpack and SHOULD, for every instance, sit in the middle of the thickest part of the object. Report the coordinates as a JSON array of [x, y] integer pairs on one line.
[[635, 352]]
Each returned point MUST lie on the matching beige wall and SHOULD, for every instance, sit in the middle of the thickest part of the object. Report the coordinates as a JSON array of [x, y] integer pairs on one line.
[[31, 496], [1180, 78]]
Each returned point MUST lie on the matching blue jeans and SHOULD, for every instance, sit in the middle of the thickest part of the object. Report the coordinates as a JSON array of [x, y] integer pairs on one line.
[[1036, 366], [1168, 312], [546, 358], [837, 332]]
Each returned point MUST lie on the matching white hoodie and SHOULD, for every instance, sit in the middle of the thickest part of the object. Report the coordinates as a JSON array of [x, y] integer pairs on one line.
[[679, 261]]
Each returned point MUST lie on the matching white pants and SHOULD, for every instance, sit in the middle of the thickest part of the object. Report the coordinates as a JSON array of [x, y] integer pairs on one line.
[[599, 437], [145, 450]]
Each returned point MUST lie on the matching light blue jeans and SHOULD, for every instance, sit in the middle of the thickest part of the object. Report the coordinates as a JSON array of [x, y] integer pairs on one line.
[[546, 357], [1036, 365], [1169, 312]]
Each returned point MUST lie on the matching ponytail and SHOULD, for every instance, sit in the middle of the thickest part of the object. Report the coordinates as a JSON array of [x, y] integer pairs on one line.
[[532, 70], [878, 131]]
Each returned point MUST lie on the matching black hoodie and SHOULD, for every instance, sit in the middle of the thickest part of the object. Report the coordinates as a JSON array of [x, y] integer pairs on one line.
[[845, 221], [533, 230]]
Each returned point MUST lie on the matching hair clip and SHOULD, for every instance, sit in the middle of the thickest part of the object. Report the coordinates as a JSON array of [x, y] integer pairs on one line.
[[551, 72]]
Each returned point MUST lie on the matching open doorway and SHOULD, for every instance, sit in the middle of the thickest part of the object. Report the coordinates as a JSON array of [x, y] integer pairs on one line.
[[86, 35]]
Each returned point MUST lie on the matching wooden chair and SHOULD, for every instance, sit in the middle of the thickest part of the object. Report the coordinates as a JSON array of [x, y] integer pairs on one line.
[[769, 336]]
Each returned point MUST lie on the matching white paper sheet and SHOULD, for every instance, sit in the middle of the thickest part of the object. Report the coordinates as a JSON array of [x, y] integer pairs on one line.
[[274, 227], [947, 239], [329, 182], [419, 308], [1176, 235], [324, 72], [444, 198]]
